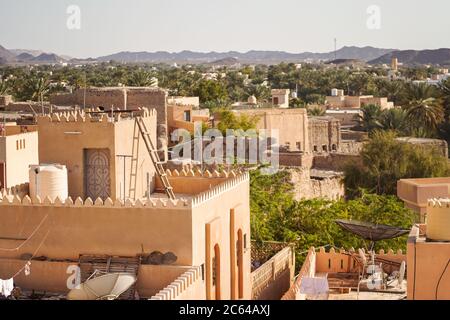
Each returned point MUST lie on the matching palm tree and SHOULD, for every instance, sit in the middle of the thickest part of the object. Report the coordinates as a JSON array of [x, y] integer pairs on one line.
[[141, 78], [369, 119], [424, 110], [315, 111], [37, 88], [391, 89], [4, 87], [395, 120], [444, 88]]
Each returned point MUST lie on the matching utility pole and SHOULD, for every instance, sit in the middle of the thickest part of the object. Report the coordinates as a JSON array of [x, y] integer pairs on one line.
[[84, 94], [335, 49]]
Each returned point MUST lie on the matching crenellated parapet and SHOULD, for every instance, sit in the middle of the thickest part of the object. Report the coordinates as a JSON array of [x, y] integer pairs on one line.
[[232, 181], [153, 203], [381, 252], [204, 174], [90, 116], [180, 285], [216, 183]]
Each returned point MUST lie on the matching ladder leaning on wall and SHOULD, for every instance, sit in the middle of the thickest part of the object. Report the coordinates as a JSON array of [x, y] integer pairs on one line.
[[154, 156]]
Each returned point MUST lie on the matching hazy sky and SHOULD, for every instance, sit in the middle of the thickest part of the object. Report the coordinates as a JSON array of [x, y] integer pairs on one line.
[[109, 26]]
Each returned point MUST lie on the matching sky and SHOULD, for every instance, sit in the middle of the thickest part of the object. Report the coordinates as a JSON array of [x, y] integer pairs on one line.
[[110, 26]]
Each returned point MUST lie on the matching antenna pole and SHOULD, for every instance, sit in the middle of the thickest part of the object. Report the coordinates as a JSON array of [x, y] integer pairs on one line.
[[335, 49]]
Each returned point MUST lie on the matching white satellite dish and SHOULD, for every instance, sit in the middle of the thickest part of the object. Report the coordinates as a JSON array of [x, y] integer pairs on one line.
[[106, 287], [401, 274]]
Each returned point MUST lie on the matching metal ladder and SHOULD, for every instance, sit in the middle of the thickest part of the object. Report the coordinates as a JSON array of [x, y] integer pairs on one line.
[[155, 157]]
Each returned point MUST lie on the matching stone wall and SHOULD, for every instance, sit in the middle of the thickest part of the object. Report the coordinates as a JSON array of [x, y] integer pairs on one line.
[[350, 147], [334, 161], [307, 187], [324, 134], [295, 159]]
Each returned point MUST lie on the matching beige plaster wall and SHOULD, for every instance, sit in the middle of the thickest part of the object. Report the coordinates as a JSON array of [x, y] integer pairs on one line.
[[96, 230], [59, 274], [18, 152], [69, 140], [218, 208], [292, 125], [427, 262]]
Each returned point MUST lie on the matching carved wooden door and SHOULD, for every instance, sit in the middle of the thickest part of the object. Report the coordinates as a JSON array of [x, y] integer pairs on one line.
[[97, 173]]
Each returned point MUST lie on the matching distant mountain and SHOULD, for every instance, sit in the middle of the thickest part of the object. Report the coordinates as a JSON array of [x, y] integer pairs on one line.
[[24, 57], [416, 57], [34, 53], [47, 58], [6, 55], [364, 54], [225, 62]]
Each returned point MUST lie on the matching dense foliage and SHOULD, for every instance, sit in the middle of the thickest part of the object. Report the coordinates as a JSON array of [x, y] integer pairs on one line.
[[385, 160], [276, 216], [229, 120]]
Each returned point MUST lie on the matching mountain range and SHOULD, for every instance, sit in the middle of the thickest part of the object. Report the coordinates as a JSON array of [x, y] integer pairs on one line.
[[265, 57], [366, 54], [416, 57]]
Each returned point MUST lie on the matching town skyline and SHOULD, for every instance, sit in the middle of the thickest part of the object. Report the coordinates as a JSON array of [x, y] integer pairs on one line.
[[200, 26]]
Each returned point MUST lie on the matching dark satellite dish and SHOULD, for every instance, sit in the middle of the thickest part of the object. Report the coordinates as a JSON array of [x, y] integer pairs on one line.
[[371, 231]]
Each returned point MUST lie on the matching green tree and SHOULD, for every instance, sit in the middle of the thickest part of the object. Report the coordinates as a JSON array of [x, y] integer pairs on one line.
[[229, 120], [394, 120], [276, 216], [141, 78], [369, 120], [315, 111], [385, 160], [4, 87], [211, 90], [423, 108]]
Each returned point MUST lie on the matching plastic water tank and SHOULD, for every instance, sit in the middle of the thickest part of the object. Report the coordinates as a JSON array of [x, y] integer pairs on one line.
[[49, 180], [334, 92]]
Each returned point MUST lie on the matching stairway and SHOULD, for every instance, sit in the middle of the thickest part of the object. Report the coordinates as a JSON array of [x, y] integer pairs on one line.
[[154, 156]]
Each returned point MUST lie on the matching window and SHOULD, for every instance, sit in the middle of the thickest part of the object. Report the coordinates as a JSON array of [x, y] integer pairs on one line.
[[17, 144], [324, 148], [24, 143], [315, 148], [214, 271], [333, 147], [187, 116], [276, 101], [299, 145]]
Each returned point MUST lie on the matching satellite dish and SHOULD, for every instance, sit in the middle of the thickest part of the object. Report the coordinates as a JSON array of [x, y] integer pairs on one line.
[[106, 287], [401, 275]]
